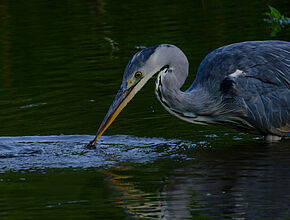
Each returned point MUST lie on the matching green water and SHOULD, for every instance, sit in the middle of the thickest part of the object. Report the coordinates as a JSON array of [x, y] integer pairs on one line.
[[58, 76]]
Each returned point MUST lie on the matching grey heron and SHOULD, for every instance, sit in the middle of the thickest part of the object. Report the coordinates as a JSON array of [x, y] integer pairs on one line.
[[243, 86]]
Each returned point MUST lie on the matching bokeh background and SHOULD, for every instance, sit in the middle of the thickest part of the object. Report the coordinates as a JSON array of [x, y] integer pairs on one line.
[[61, 63], [58, 73]]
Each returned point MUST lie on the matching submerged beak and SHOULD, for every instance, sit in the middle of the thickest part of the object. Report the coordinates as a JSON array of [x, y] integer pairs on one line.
[[122, 98]]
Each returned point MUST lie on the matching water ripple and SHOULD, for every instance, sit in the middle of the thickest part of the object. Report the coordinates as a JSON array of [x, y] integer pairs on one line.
[[26, 152]]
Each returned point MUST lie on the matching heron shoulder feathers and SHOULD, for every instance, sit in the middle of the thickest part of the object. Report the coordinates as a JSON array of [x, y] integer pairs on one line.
[[268, 61]]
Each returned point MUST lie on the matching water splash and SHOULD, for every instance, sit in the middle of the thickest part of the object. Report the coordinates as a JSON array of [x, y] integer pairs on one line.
[[39, 152]]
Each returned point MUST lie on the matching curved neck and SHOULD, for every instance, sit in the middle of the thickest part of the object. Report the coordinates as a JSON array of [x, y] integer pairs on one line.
[[186, 105], [195, 105]]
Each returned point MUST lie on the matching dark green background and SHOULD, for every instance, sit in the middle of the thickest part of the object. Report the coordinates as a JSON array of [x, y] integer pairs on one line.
[[54, 57], [58, 75]]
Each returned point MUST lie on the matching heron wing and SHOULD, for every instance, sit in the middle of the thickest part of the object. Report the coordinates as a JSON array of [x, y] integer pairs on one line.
[[259, 74]]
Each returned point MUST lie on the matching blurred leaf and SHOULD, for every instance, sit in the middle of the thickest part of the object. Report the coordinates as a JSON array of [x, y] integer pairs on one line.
[[274, 12], [276, 20], [114, 47], [114, 44]]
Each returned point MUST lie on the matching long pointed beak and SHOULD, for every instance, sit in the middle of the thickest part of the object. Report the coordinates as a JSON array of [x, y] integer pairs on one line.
[[122, 98]]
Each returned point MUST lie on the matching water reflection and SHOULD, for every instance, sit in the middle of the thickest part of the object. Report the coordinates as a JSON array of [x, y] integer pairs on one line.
[[239, 183], [167, 178], [56, 77]]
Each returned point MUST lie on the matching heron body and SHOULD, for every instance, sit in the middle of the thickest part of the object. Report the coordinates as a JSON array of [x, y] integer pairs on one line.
[[243, 85]]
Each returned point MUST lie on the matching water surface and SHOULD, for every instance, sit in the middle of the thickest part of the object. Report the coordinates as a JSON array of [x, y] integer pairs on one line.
[[53, 176], [58, 76]]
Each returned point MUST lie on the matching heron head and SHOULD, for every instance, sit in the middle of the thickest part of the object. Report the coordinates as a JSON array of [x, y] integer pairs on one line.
[[143, 65], [138, 71]]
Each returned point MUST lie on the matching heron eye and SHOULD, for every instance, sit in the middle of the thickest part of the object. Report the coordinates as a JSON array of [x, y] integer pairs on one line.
[[138, 74]]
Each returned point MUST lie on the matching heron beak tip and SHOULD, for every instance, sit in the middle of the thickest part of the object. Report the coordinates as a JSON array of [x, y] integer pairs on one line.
[[122, 98]]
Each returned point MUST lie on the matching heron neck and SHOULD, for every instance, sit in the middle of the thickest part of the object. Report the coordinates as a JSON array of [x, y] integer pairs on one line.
[[186, 105], [190, 103]]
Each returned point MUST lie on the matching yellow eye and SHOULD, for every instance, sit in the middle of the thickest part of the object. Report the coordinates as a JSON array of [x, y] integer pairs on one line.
[[138, 74]]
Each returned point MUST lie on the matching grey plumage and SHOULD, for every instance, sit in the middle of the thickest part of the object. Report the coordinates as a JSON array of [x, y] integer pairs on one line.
[[263, 88], [137, 61], [243, 85], [255, 100]]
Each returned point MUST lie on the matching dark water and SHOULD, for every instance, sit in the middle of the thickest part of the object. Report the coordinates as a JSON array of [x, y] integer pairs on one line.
[[58, 76], [51, 177]]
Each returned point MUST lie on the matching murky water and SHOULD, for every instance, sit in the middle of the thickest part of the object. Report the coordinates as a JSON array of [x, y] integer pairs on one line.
[[58, 76], [143, 178]]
